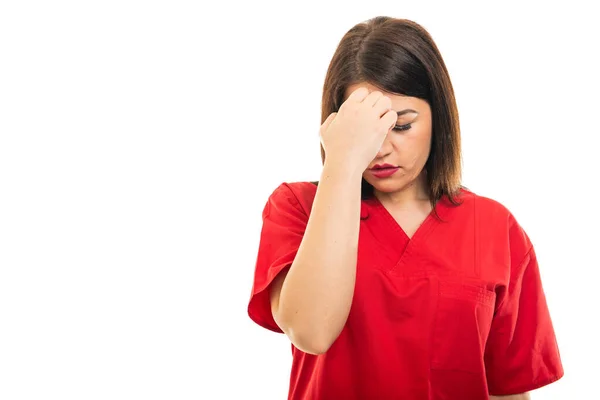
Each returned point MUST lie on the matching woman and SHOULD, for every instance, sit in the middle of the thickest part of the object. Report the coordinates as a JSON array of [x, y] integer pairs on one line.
[[391, 280]]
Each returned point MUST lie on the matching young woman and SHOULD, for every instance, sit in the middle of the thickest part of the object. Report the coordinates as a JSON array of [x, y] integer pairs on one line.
[[391, 280]]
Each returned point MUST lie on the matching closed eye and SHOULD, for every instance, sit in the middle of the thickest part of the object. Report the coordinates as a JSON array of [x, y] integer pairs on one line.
[[401, 127]]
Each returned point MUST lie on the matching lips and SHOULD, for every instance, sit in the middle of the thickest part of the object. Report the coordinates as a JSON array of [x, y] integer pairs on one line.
[[383, 171], [383, 167]]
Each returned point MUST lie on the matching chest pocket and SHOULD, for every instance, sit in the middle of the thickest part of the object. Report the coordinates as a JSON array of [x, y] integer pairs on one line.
[[462, 323]]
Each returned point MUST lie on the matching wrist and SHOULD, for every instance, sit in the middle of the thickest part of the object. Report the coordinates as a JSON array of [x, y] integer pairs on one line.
[[341, 171]]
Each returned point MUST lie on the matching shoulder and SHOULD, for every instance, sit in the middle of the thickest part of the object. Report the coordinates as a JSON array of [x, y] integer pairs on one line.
[[495, 218], [299, 195], [485, 207]]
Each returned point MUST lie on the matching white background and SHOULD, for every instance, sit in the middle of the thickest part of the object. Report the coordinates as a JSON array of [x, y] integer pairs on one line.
[[140, 141]]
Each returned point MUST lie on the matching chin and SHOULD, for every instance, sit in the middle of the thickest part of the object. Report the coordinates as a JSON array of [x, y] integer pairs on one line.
[[387, 185]]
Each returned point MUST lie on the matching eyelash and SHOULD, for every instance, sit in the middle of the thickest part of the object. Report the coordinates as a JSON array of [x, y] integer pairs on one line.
[[401, 127]]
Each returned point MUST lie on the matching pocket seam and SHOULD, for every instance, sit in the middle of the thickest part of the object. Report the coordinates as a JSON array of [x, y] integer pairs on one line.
[[465, 291]]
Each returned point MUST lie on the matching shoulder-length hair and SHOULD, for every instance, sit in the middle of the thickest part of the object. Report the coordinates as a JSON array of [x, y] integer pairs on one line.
[[399, 56]]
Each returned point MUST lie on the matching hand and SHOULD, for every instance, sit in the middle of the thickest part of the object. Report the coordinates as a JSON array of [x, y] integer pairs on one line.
[[354, 134]]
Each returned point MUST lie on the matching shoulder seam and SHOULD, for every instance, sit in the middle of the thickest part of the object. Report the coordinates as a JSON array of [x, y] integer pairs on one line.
[[297, 204], [526, 257]]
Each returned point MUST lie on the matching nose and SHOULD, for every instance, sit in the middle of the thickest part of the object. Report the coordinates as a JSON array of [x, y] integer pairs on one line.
[[386, 148]]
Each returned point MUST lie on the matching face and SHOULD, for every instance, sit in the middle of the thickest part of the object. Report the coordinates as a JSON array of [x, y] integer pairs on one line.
[[406, 147]]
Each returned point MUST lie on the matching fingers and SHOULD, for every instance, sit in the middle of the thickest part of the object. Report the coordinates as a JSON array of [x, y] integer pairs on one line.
[[373, 98], [383, 105], [358, 95], [380, 102], [389, 119]]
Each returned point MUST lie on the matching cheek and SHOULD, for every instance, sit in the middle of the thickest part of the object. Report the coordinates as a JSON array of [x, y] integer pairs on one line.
[[413, 144]]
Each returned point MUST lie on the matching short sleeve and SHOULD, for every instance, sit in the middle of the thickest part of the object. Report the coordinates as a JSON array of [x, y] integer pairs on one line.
[[522, 352], [284, 223]]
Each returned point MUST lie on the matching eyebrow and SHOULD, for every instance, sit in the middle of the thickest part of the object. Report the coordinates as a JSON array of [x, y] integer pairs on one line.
[[408, 110]]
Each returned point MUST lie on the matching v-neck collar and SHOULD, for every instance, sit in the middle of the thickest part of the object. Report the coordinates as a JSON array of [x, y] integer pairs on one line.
[[395, 225], [393, 236]]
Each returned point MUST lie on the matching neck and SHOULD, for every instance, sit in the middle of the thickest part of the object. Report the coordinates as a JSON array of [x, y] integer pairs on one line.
[[415, 192]]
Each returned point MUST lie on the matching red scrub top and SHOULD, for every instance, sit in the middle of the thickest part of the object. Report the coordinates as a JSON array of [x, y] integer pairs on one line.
[[456, 312]]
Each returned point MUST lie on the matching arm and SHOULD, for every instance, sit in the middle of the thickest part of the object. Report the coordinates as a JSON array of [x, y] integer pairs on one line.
[[522, 396], [311, 300]]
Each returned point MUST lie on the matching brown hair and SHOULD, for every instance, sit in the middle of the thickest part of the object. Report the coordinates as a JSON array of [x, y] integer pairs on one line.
[[399, 56]]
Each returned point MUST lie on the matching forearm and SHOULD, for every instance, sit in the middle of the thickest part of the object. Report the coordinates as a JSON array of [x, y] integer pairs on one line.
[[317, 292]]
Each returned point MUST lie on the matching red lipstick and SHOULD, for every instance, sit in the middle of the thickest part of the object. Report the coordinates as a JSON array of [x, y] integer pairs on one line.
[[381, 166], [383, 170]]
